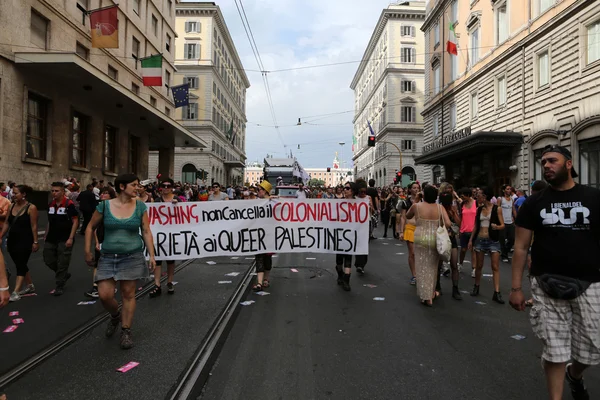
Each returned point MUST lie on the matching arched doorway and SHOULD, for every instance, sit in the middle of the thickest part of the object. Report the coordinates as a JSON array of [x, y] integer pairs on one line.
[[408, 175], [188, 174]]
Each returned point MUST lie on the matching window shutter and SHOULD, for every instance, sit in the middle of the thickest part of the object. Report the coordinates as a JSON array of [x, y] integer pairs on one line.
[[413, 86], [402, 145], [195, 110], [184, 112], [187, 27], [412, 31], [186, 50], [413, 114], [197, 52], [198, 27], [413, 54], [414, 145]]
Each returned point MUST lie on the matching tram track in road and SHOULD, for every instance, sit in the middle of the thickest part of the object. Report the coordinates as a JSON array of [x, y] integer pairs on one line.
[[32, 362]]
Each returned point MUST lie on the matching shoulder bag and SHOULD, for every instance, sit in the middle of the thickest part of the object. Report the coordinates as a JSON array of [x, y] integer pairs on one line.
[[442, 239], [562, 287]]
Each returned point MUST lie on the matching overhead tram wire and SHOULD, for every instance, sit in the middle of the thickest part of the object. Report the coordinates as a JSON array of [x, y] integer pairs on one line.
[[255, 51]]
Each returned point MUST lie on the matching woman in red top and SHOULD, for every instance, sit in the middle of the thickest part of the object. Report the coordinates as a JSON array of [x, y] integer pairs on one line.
[[468, 213]]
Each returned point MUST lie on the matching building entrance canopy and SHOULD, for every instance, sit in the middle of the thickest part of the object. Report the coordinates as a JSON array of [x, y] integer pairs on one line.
[[90, 86], [463, 143]]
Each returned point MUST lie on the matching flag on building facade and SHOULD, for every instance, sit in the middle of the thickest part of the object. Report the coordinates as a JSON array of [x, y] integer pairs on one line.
[[181, 95], [371, 129], [231, 133], [451, 47], [105, 27], [354, 142], [152, 70]]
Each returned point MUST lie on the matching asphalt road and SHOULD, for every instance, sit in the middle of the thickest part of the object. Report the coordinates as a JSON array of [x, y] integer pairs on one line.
[[309, 339]]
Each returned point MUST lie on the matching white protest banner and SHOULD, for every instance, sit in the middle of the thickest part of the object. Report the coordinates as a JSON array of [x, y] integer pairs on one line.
[[246, 227]]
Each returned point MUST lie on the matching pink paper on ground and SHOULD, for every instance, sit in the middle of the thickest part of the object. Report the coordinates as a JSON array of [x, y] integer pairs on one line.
[[128, 366], [18, 321], [13, 313], [294, 270], [11, 328]]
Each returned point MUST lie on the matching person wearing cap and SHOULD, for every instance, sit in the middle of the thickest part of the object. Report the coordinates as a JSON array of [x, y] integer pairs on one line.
[[264, 262], [565, 219]]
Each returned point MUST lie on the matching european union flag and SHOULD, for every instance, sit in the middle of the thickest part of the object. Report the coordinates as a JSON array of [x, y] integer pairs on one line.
[[181, 95]]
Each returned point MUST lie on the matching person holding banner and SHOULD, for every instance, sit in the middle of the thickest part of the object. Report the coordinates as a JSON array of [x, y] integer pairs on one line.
[[122, 258], [216, 194], [264, 262], [360, 261], [343, 262], [166, 196]]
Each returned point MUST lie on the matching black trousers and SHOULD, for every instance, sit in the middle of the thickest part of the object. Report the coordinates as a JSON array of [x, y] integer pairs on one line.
[[344, 259], [385, 218], [507, 239], [87, 216], [20, 257]]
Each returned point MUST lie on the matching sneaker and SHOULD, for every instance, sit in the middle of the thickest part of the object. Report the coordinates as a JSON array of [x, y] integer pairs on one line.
[[92, 293], [446, 271], [112, 325], [505, 260], [14, 297], [126, 339], [498, 298], [28, 290], [170, 288], [473, 273], [459, 266], [59, 291], [413, 281], [578, 389], [360, 270]]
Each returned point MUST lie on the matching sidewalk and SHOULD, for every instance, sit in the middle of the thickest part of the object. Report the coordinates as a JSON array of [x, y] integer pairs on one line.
[[167, 331]]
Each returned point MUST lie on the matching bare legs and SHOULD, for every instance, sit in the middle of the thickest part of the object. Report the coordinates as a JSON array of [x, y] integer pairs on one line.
[[106, 290], [411, 258]]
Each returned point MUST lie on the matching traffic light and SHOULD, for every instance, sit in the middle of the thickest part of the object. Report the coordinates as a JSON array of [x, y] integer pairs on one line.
[[371, 141], [202, 174], [398, 177], [395, 180], [328, 169]]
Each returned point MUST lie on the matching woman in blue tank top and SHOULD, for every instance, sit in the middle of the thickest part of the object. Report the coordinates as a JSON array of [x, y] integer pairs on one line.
[[126, 230]]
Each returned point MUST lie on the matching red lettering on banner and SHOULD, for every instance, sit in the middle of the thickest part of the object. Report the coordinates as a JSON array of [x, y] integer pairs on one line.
[[172, 215], [288, 211], [363, 207]]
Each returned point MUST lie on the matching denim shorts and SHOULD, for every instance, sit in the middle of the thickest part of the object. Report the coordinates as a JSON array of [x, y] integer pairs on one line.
[[487, 245], [122, 267]]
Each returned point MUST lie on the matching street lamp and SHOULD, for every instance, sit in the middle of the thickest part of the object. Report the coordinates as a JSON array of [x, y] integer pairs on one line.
[[341, 160]]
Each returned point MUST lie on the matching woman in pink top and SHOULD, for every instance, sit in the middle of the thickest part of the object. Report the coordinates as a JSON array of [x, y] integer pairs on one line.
[[467, 224]]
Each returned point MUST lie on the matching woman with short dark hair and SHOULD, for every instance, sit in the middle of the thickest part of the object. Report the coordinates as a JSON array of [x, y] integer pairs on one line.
[[429, 216], [343, 262], [122, 258]]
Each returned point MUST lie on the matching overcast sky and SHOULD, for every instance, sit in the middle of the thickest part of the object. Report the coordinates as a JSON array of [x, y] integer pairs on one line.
[[292, 34]]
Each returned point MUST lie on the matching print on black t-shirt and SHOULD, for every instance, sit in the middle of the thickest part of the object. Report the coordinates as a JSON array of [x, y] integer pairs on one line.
[[566, 227]]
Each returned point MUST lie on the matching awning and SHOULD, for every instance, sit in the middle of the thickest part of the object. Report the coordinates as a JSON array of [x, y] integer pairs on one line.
[[84, 83], [234, 164], [464, 143]]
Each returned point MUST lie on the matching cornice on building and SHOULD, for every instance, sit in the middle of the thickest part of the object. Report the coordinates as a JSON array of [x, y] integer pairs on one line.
[[386, 14], [214, 11], [434, 13]]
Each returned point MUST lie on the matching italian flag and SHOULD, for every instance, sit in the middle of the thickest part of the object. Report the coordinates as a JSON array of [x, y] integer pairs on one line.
[[451, 46], [152, 70]]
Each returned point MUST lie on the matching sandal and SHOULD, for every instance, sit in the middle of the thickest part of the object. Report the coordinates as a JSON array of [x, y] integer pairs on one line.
[[257, 287], [266, 283], [437, 294], [157, 291], [427, 303], [529, 303]]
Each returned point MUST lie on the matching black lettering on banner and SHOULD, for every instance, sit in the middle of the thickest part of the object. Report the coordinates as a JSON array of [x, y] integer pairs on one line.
[[210, 245], [161, 238], [337, 240], [174, 243]]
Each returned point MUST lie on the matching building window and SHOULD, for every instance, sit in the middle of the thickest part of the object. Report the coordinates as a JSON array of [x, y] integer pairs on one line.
[[454, 11], [436, 79], [135, 89], [537, 165], [408, 55], [593, 42], [135, 48], [501, 90], [544, 5], [502, 22], [154, 25], [167, 79], [78, 140], [152, 101], [168, 43], [82, 51], [453, 67], [38, 30], [214, 88], [192, 26], [110, 145], [436, 126], [136, 6], [436, 35], [408, 114], [37, 114], [407, 30], [407, 145], [134, 154], [543, 68], [408, 86], [474, 46], [191, 111], [452, 112], [113, 73], [474, 105], [192, 81], [170, 7], [167, 111], [589, 164], [191, 51]]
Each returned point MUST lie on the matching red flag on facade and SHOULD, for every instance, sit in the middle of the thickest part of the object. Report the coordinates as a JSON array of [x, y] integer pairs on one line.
[[105, 28]]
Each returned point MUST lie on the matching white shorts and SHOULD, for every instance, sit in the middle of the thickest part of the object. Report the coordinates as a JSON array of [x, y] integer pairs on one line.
[[569, 329]]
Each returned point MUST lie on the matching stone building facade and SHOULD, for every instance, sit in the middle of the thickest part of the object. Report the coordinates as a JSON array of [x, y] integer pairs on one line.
[[525, 77], [67, 109], [207, 59], [388, 91]]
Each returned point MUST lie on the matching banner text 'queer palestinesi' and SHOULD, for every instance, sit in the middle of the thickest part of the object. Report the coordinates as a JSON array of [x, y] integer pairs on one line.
[[222, 228]]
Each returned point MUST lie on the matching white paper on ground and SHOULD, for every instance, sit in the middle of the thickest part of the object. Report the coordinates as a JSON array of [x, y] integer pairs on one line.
[[294, 270], [232, 274], [224, 282], [310, 258], [379, 298], [249, 258], [261, 293], [247, 303], [466, 262], [481, 303], [211, 262], [234, 258], [369, 285], [518, 337], [399, 254], [488, 275], [384, 243]]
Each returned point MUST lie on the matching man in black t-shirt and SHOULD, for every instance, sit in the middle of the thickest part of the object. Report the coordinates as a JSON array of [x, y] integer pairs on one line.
[[63, 221], [371, 191], [564, 223]]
